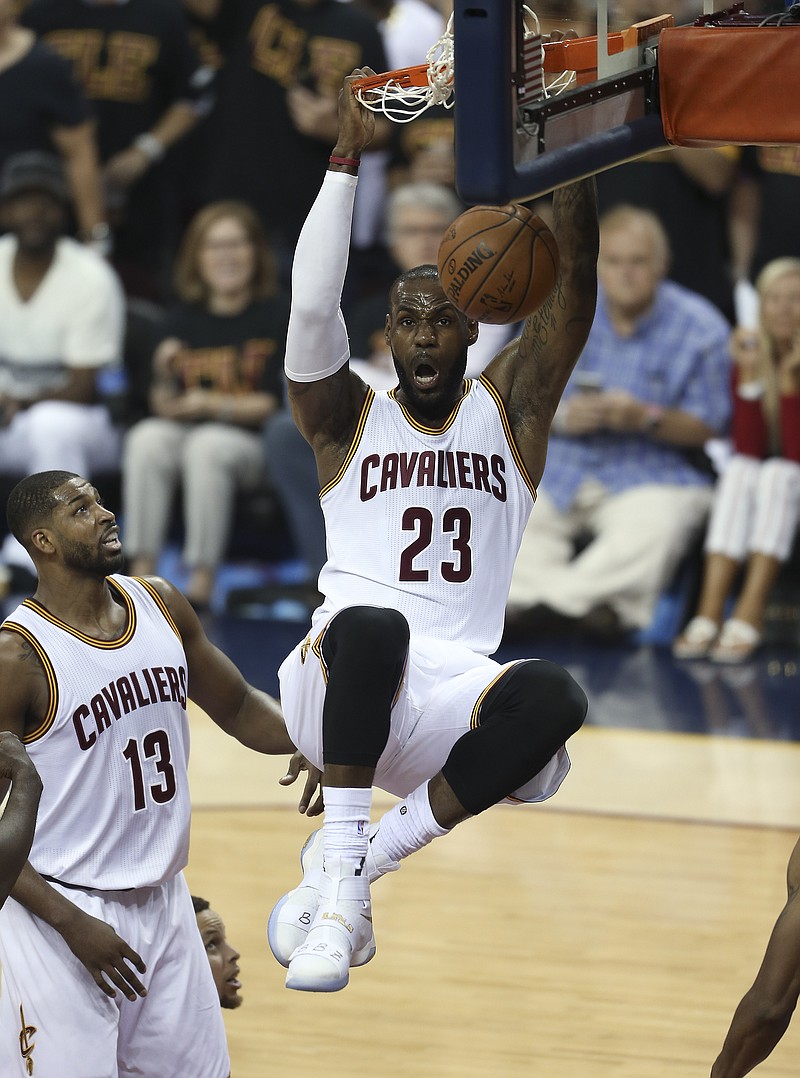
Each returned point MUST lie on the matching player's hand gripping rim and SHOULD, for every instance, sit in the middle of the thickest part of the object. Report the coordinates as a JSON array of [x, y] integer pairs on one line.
[[356, 123]]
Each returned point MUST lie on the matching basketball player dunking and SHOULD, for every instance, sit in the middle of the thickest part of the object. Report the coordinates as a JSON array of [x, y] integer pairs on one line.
[[95, 673], [425, 491]]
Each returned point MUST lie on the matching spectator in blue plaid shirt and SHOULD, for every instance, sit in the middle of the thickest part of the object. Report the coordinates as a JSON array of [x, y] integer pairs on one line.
[[625, 464]]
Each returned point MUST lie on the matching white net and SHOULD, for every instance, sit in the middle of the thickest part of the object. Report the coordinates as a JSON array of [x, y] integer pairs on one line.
[[401, 100], [403, 95]]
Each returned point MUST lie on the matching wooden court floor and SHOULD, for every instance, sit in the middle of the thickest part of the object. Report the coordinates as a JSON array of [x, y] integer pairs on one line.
[[607, 934]]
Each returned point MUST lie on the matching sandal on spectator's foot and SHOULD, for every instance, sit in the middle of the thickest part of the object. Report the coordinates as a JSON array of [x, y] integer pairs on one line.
[[737, 642], [696, 640]]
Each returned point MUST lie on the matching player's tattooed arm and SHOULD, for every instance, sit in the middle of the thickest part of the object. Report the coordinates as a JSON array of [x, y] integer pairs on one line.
[[532, 371], [24, 689], [571, 312]]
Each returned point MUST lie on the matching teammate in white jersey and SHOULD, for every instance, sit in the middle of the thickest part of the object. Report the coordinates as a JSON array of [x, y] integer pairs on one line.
[[95, 673], [425, 492]]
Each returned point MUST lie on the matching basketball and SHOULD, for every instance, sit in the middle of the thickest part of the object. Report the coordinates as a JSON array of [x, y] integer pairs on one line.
[[498, 264]]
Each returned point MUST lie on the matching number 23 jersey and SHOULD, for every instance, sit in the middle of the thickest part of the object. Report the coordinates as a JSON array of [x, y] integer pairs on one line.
[[113, 748], [428, 520]]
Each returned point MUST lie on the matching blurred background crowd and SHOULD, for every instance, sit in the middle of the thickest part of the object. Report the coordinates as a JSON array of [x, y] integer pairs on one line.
[[157, 160]]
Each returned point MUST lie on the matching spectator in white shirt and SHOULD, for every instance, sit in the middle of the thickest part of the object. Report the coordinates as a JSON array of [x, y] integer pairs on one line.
[[61, 321]]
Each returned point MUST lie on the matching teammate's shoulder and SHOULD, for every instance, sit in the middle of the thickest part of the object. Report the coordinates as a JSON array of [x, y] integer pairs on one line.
[[14, 645], [156, 584], [24, 676], [168, 596]]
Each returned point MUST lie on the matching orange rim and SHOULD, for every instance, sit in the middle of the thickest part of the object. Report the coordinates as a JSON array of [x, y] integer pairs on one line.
[[580, 54], [403, 77]]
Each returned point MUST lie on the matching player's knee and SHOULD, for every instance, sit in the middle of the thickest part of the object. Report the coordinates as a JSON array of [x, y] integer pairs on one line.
[[527, 715], [540, 694], [552, 689], [380, 634]]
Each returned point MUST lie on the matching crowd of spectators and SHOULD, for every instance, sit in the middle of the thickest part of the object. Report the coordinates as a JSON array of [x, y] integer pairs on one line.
[[757, 501], [180, 144], [649, 390]]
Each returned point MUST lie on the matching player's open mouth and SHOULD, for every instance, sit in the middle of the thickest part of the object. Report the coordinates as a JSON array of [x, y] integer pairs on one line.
[[425, 376], [112, 540], [234, 982]]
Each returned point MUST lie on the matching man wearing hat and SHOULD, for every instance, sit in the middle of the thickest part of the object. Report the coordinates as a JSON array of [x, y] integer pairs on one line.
[[61, 321]]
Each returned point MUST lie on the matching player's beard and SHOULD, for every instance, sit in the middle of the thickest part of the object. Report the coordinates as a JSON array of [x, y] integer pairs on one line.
[[91, 561], [433, 405]]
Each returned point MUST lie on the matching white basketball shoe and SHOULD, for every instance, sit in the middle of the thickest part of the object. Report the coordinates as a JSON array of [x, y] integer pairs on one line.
[[293, 914], [340, 934]]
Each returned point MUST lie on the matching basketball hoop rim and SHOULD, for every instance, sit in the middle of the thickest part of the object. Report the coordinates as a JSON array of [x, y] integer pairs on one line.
[[416, 75]]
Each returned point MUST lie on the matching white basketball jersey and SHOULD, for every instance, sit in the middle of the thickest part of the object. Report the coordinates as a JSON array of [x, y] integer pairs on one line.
[[113, 748], [429, 521]]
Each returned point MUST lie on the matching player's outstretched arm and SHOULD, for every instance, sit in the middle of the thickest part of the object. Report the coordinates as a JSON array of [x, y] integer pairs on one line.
[[217, 686], [19, 817], [325, 396], [576, 229], [765, 1011], [531, 372]]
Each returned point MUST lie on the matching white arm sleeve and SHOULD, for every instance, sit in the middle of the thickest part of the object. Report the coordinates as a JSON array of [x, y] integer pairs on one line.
[[316, 340]]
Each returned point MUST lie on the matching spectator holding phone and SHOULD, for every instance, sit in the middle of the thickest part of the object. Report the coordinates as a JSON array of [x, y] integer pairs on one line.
[[757, 504]]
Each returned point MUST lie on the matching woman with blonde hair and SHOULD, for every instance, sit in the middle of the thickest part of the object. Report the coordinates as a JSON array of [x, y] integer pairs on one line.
[[217, 375], [757, 502]]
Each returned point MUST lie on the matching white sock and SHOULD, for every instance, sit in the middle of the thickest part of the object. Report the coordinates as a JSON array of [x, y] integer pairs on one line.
[[345, 832], [406, 827]]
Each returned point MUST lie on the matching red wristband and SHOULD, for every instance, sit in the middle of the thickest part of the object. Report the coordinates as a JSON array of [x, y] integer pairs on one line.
[[353, 162]]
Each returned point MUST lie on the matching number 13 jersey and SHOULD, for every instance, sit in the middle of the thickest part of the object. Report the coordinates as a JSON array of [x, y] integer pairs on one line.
[[113, 748], [428, 520]]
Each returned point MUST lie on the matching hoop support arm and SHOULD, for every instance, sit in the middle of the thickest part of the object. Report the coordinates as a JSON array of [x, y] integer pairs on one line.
[[590, 155]]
